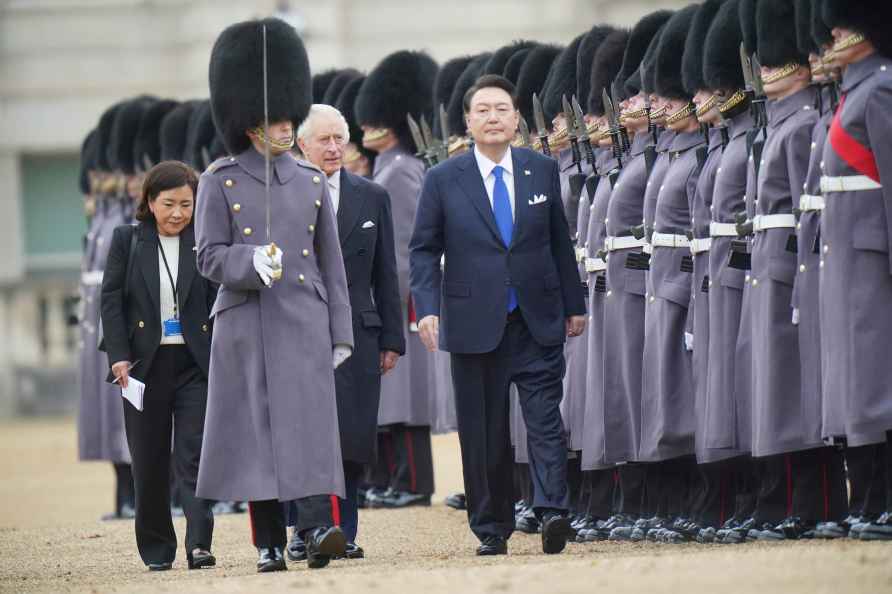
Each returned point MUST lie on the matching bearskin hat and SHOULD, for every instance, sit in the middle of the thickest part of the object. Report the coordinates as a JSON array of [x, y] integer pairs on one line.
[[605, 66], [147, 146], [692, 61], [174, 128], [88, 160], [746, 11], [721, 51], [561, 79], [533, 76], [670, 51], [199, 136], [515, 63], [345, 104], [337, 85], [639, 40], [455, 110], [236, 79], [820, 32], [499, 59], [103, 136], [400, 85], [644, 79], [804, 41], [444, 84], [871, 18], [776, 33], [585, 56], [320, 83], [123, 135]]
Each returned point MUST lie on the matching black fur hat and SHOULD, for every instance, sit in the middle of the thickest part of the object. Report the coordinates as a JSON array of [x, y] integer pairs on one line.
[[561, 79], [721, 51], [320, 83], [337, 85], [532, 78], [776, 32], [148, 140], [820, 32], [515, 63], [644, 79], [199, 136], [692, 61], [605, 66], [174, 128], [88, 160], [804, 41], [869, 17], [746, 11], [345, 103], [401, 84], [585, 56], [103, 133], [639, 40], [500, 57], [455, 110], [123, 135], [668, 80], [444, 84], [236, 79], [217, 148]]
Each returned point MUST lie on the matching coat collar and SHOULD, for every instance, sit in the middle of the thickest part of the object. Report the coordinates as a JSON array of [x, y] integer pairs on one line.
[[386, 158], [858, 72], [780, 110], [350, 205], [685, 141], [283, 167], [740, 124]]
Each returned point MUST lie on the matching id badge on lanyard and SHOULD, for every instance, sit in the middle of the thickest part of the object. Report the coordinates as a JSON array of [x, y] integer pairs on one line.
[[172, 326]]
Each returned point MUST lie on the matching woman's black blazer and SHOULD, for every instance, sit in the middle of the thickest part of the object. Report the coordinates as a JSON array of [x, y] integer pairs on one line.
[[132, 329]]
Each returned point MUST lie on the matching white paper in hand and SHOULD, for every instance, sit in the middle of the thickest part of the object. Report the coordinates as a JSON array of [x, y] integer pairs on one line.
[[133, 392]]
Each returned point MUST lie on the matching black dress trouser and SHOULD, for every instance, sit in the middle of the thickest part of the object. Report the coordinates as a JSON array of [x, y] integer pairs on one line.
[[481, 383], [174, 403], [413, 459], [268, 518]]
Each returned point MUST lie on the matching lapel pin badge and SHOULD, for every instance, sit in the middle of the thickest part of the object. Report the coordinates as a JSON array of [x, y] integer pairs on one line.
[[526, 172]]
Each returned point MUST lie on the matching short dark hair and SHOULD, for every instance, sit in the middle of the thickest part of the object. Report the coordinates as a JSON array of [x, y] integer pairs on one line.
[[489, 81], [164, 176]]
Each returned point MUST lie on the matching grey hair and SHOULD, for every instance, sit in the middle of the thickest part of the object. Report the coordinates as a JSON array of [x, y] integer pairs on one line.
[[306, 126]]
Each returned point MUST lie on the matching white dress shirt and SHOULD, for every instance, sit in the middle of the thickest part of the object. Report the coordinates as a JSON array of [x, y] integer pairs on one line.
[[171, 247], [486, 165], [334, 189]]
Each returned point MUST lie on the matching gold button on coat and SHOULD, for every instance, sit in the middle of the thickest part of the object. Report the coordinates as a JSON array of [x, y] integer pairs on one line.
[[305, 253], [311, 228], [300, 278], [248, 231], [229, 183], [318, 203], [802, 268], [316, 179], [236, 207], [141, 324], [204, 327]]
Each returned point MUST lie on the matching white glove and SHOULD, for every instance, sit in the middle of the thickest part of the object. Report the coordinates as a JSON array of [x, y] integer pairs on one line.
[[263, 264], [795, 316], [339, 354], [689, 341], [277, 258]]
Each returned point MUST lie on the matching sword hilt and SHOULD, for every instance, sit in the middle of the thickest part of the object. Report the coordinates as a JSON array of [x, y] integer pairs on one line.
[[546, 150], [277, 268]]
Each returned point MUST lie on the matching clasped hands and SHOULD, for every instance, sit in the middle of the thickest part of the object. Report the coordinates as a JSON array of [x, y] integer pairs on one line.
[[268, 263]]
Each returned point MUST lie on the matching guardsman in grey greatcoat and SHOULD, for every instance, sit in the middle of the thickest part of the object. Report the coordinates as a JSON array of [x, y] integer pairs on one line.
[[271, 430], [856, 234], [400, 85]]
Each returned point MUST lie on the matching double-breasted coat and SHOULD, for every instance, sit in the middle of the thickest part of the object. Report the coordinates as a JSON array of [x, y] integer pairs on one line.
[[100, 420], [856, 236], [779, 408], [365, 230], [271, 429], [727, 403], [667, 394]]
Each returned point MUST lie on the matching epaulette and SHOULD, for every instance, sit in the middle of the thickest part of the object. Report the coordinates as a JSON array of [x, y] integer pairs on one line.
[[221, 163]]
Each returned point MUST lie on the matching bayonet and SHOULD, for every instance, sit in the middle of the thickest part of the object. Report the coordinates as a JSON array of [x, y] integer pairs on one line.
[[420, 146], [539, 122], [524, 129], [582, 133], [623, 133], [610, 114], [570, 123], [432, 149], [444, 126], [747, 68]]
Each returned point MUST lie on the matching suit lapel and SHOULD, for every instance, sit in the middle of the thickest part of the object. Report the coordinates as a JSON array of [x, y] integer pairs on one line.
[[147, 259], [472, 184], [349, 207], [186, 265], [522, 191]]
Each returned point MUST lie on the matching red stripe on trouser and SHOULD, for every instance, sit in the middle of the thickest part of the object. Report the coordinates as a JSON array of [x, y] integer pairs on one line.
[[826, 492], [856, 155], [789, 463], [251, 523], [410, 451], [615, 477], [335, 510]]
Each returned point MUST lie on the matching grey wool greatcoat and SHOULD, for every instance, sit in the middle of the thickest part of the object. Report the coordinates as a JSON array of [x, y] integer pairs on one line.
[[624, 315], [667, 392], [856, 236], [271, 430], [778, 406], [409, 393], [365, 229], [701, 216], [575, 349], [593, 443], [100, 420], [727, 404]]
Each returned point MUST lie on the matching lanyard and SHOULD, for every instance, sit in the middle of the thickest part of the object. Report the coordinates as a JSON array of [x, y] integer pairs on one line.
[[173, 285]]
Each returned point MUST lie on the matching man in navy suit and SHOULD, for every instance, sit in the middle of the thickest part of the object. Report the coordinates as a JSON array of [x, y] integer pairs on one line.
[[502, 305]]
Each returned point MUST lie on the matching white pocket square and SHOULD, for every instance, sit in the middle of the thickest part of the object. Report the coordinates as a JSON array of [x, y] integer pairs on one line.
[[368, 225], [538, 199]]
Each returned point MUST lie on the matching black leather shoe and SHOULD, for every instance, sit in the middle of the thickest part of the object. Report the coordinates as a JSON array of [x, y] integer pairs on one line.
[[200, 558], [401, 499], [323, 544], [526, 522], [794, 528], [297, 548], [353, 551], [270, 559], [457, 501], [492, 545], [375, 496], [879, 529], [159, 566], [555, 532]]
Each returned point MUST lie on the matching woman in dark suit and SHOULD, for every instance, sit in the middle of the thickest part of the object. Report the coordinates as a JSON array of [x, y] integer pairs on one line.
[[155, 319]]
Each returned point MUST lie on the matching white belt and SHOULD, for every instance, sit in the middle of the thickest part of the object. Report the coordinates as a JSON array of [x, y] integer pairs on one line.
[[848, 183], [670, 240], [810, 202], [580, 254], [722, 229], [699, 246], [775, 221], [92, 278], [595, 265], [648, 248], [611, 244]]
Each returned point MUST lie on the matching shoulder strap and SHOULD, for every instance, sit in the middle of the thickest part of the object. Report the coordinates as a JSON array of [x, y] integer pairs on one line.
[[131, 255]]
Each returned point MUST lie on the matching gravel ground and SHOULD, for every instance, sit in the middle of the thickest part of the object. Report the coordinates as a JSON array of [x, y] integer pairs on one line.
[[51, 541]]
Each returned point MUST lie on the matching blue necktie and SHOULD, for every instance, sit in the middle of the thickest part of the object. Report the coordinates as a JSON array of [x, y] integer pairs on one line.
[[501, 208]]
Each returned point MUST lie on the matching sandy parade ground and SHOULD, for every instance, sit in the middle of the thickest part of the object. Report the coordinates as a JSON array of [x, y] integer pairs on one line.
[[51, 540]]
